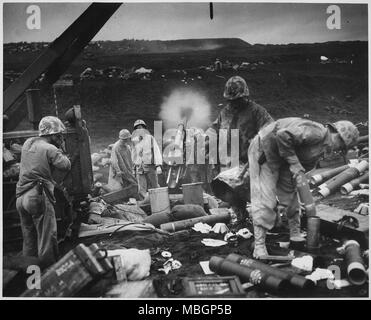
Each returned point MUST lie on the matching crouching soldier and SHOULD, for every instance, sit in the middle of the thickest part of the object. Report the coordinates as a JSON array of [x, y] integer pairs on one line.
[[35, 190], [277, 154]]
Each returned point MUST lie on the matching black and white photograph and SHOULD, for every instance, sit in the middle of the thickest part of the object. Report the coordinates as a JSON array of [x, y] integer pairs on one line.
[[185, 150]]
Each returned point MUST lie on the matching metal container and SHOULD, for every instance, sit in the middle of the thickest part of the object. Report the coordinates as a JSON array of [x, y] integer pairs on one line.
[[296, 281], [356, 270], [313, 233], [159, 199], [193, 193], [246, 274], [305, 194], [189, 223]]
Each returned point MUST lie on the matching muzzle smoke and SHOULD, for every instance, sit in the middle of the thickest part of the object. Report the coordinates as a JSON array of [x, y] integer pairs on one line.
[[185, 102]]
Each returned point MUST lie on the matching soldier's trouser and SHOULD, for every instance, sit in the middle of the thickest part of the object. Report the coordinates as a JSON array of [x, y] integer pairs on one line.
[[147, 180], [39, 226], [266, 186]]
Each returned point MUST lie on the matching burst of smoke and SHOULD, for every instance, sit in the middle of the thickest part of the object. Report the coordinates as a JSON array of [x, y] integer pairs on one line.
[[183, 102]]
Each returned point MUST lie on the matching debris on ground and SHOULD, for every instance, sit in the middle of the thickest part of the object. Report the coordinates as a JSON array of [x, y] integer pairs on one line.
[[320, 274], [213, 242]]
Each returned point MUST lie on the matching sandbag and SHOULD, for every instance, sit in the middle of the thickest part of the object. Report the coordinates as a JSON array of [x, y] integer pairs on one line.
[[157, 219], [125, 212], [187, 211], [228, 182]]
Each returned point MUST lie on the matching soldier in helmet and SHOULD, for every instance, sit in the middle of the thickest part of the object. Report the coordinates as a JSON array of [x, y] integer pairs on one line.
[[278, 153], [241, 113], [121, 173], [248, 117], [147, 158], [35, 190]]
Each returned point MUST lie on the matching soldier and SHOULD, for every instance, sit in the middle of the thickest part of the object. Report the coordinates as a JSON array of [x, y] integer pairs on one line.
[[277, 155], [121, 173], [241, 113], [147, 158], [35, 190], [248, 117]]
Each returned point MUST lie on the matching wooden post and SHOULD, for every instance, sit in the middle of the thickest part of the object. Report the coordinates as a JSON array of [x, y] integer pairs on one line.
[[34, 107]]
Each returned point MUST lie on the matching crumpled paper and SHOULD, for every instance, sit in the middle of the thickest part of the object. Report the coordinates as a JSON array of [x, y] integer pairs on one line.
[[213, 242], [339, 284], [320, 274], [170, 265], [202, 227], [220, 228], [230, 237], [205, 267], [244, 233], [304, 263]]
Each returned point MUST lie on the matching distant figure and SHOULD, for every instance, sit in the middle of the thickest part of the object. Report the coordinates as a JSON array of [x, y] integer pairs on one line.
[[147, 158], [218, 65], [121, 174], [35, 190]]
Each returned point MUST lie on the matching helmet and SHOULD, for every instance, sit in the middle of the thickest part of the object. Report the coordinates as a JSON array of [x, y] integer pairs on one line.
[[139, 122], [50, 125], [124, 134], [348, 132], [235, 87]]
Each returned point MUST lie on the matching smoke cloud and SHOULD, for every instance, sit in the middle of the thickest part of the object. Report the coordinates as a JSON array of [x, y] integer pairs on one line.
[[185, 101]]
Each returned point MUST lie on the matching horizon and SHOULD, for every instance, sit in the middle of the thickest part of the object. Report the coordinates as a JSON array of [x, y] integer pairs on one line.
[[254, 23], [252, 44]]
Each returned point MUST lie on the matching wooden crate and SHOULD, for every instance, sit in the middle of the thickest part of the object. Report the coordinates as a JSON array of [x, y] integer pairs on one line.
[[70, 274]]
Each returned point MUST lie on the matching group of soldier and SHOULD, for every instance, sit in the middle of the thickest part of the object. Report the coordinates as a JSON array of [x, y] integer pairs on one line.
[[275, 152]]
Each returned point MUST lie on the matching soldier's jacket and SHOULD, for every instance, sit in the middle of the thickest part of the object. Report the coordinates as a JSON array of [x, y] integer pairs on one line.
[[248, 117], [294, 141], [37, 161]]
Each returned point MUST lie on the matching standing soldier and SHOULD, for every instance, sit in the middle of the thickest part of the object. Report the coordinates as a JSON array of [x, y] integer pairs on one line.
[[121, 173], [241, 113], [147, 158], [248, 117], [35, 190], [277, 155]]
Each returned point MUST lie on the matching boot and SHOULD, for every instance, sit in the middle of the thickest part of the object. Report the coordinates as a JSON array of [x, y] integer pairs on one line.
[[294, 227], [259, 249]]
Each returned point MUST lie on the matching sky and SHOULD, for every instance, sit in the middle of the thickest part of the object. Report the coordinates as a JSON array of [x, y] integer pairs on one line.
[[264, 23]]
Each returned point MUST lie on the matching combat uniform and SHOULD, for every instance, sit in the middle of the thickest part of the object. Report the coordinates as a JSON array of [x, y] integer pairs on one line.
[[121, 163], [245, 115], [35, 198], [286, 142], [146, 157]]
